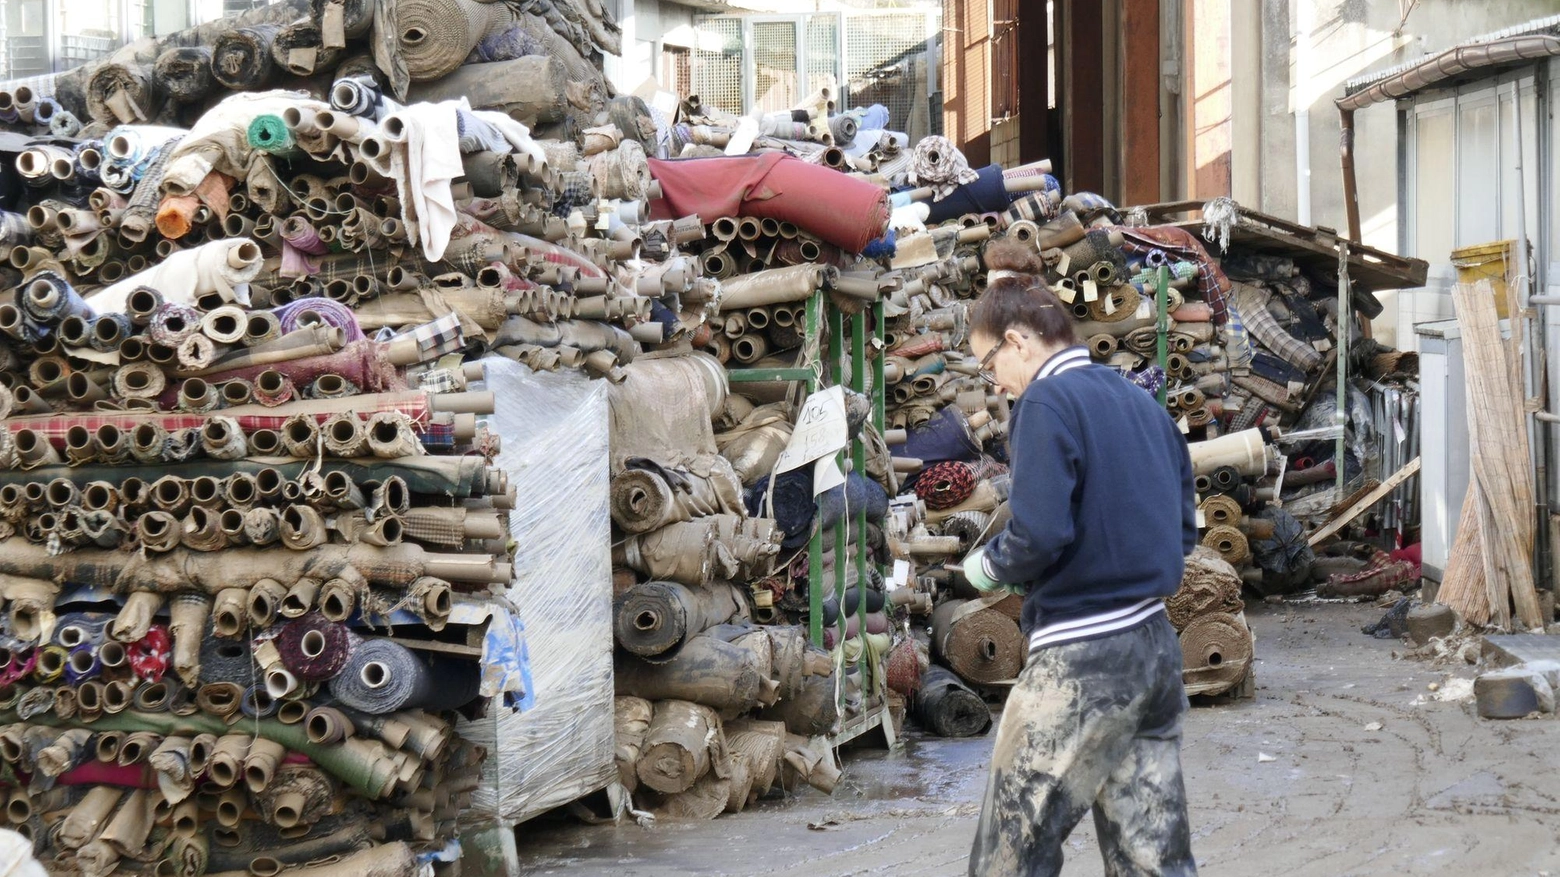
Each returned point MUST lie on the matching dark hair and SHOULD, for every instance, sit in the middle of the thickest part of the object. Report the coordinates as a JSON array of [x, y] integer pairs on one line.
[[1022, 302]]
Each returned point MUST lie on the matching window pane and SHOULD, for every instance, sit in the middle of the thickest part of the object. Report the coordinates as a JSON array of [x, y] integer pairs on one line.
[[25, 53], [1432, 186], [1478, 172], [89, 29]]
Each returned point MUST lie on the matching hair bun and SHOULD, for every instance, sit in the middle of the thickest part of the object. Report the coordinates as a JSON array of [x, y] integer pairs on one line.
[[1013, 255]]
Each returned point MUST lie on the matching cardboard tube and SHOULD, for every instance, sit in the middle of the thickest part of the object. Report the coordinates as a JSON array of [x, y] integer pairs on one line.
[[1244, 451]]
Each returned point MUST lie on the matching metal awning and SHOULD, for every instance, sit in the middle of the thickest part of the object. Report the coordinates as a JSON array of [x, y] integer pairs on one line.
[[1549, 25], [1453, 65]]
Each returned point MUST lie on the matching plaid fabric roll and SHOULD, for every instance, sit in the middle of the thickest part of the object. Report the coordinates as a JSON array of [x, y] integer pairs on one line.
[[1382, 573], [937, 163], [1261, 323], [439, 337], [1183, 245]]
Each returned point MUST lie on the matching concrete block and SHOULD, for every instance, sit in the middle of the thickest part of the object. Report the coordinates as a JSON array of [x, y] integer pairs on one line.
[[1428, 620], [1513, 693]]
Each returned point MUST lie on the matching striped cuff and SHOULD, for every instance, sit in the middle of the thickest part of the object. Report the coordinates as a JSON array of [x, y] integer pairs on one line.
[[1094, 626]]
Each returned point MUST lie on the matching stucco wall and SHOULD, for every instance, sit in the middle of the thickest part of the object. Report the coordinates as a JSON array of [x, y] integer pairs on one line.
[[1346, 38]]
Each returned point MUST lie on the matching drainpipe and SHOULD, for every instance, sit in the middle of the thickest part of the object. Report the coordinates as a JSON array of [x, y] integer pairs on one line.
[[1300, 92], [1351, 192]]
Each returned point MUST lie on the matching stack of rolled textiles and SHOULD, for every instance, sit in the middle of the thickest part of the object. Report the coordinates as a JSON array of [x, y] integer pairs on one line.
[[541, 64]]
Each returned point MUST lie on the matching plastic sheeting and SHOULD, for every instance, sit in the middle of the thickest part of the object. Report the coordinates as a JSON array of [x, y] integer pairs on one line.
[[554, 432]]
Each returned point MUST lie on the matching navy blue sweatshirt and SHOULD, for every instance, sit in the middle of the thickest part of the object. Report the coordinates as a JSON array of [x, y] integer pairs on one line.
[[1103, 509]]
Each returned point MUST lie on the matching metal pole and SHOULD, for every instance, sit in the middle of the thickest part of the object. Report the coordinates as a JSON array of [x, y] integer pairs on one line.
[[1345, 326], [1532, 358], [1162, 333]]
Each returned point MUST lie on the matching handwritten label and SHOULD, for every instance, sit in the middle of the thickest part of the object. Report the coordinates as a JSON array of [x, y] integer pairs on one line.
[[826, 475], [820, 430]]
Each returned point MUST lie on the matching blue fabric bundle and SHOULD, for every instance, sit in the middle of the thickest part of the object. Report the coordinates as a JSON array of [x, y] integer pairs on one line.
[[856, 493], [988, 194], [946, 436], [793, 504]]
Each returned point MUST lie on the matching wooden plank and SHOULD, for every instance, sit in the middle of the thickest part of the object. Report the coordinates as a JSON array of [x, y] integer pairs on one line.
[[1140, 97], [1370, 499]]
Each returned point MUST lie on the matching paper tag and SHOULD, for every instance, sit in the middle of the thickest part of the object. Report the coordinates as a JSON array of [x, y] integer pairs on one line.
[[302, 58], [820, 430], [1182, 425], [1201, 521], [1091, 291], [1397, 430], [1322, 345], [901, 574], [1066, 293], [1064, 264], [1110, 304], [333, 28], [826, 475]]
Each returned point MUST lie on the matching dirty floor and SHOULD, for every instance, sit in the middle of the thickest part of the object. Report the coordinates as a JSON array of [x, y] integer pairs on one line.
[[1343, 765]]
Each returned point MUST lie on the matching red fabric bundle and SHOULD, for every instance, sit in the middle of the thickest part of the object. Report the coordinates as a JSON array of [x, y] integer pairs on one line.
[[149, 656], [842, 210]]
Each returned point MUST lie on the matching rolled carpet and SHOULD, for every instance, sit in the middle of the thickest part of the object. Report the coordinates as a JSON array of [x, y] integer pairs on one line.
[[846, 212], [979, 643], [313, 648], [946, 484], [435, 36], [858, 493], [383, 677], [1215, 652], [794, 506], [707, 670], [654, 619], [123, 93], [185, 73], [241, 58], [947, 707]]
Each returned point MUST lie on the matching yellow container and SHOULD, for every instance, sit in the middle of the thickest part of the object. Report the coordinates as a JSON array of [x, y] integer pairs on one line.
[[1489, 262]]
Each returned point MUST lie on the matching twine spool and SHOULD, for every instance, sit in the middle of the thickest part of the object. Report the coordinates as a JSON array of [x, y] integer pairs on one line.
[[1221, 511], [1217, 640], [1115, 304], [1229, 542], [983, 646]]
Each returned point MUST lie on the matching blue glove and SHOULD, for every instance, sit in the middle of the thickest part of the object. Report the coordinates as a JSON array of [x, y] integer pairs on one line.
[[975, 573]]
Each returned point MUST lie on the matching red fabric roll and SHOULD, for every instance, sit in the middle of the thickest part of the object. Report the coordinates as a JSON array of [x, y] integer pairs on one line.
[[945, 485], [149, 656], [840, 209]]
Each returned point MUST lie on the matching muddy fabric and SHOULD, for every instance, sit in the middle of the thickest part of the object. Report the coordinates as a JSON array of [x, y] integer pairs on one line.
[[1091, 725]]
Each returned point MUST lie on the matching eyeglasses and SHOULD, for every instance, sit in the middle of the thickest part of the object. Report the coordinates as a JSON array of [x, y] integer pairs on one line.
[[984, 369]]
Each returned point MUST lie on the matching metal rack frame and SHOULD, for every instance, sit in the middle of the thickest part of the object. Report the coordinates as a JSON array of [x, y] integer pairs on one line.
[[823, 317]]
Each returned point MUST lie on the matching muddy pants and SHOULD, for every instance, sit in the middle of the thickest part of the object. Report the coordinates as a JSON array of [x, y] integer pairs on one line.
[[1091, 725]]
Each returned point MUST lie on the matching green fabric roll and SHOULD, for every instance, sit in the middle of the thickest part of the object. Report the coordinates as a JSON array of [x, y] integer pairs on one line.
[[269, 133]]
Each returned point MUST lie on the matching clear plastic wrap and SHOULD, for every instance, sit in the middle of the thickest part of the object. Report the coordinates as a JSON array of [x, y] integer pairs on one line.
[[554, 447]]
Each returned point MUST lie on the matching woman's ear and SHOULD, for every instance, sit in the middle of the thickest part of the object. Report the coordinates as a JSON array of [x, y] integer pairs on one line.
[[1018, 340]]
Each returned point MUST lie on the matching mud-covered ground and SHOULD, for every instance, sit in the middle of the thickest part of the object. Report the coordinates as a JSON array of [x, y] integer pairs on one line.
[[1345, 764]]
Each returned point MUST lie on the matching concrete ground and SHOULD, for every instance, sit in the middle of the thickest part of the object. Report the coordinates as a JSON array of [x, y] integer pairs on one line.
[[1345, 764]]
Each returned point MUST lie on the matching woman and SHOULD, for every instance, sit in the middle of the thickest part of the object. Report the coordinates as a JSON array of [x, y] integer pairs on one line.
[[1103, 518]]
